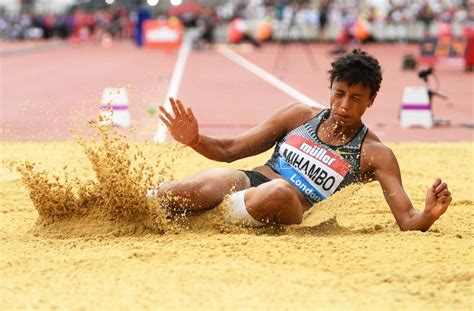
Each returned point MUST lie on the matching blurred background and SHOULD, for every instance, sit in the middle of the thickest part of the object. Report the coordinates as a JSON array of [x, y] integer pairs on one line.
[[234, 61], [382, 20]]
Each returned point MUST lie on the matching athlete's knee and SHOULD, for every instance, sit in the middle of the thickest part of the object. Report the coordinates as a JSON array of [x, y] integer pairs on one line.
[[276, 202], [279, 191]]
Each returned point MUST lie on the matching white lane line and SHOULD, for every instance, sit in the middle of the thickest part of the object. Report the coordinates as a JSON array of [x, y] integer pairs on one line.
[[266, 76], [162, 130]]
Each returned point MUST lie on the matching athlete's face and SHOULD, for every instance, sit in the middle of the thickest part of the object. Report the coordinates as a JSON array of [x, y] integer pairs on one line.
[[348, 103]]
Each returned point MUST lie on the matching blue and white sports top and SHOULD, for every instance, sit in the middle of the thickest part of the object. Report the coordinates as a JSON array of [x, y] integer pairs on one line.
[[317, 169]]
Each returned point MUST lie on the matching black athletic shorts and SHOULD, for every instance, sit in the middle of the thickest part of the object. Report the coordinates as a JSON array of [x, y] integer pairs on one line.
[[256, 178]]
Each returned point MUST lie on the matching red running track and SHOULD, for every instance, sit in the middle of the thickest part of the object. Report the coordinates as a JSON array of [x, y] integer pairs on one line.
[[47, 91]]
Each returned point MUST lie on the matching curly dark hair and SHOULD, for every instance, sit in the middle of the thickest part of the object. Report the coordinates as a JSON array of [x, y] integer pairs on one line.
[[357, 66]]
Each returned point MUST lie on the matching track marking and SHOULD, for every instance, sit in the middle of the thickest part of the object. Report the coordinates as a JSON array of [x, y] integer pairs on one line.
[[162, 130], [31, 49], [266, 76]]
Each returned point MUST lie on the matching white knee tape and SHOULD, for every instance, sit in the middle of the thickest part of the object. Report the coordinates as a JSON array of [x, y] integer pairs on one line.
[[237, 211]]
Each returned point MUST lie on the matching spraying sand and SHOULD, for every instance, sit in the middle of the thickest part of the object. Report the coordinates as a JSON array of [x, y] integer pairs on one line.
[[76, 231]]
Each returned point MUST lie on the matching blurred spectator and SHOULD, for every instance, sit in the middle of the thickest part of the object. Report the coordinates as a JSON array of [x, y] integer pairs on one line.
[[396, 21], [206, 23], [426, 16], [264, 30], [238, 32], [142, 13], [188, 13], [324, 11]]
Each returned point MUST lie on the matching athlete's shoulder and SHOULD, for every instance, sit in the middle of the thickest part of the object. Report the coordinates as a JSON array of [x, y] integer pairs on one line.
[[298, 113], [374, 150], [302, 108], [291, 116], [372, 143]]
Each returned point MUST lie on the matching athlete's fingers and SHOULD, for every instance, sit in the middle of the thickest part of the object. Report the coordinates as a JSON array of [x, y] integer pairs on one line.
[[166, 114], [171, 99], [445, 193], [166, 122], [173, 106], [441, 187], [436, 183], [181, 109], [190, 114]]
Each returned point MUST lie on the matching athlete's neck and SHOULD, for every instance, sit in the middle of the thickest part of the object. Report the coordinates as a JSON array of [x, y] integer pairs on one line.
[[336, 132]]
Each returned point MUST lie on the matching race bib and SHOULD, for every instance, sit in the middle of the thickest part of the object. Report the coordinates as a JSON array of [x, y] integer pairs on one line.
[[312, 168]]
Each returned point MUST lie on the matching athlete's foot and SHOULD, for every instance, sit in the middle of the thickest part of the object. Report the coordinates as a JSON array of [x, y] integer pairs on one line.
[[153, 193], [166, 201]]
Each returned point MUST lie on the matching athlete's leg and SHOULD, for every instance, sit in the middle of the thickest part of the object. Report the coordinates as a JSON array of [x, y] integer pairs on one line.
[[203, 190], [274, 202]]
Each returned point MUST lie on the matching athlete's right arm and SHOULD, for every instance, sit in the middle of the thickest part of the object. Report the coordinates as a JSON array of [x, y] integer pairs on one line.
[[184, 128]]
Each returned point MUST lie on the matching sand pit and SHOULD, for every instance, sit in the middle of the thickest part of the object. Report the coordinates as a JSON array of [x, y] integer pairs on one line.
[[93, 241]]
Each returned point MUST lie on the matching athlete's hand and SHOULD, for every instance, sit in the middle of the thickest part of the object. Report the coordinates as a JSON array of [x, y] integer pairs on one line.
[[183, 127], [438, 198]]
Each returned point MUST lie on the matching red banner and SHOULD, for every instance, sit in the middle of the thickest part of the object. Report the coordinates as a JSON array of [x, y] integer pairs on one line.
[[163, 33]]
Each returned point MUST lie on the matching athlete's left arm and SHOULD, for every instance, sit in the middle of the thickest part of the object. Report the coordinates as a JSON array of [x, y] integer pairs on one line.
[[387, 171]]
